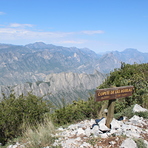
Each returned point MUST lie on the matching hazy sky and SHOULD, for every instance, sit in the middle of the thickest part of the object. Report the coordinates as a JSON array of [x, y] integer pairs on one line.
[[100, 25]]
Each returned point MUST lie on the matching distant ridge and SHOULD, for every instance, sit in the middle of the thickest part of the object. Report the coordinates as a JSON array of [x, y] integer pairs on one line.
[[55, 87], [32, 62]]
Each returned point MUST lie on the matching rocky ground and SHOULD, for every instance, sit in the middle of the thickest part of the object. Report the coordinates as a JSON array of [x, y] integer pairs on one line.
[[124, 133]]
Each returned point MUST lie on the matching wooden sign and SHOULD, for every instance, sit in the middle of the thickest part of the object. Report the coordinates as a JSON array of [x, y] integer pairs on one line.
[[113, 93]]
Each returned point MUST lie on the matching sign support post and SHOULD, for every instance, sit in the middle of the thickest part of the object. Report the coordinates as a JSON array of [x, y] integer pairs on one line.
[[111, 94], [110, 114]]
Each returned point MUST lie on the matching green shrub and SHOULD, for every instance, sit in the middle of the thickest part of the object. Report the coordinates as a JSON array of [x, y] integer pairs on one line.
[[77, 111], [135, 75], [16, 112], [142, 114], [140, 143], [128, 112]]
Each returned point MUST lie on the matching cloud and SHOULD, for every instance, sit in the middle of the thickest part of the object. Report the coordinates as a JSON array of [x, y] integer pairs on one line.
[[22, 33], [16, 33], [2, 13], [72, 42], [16, 25], [91, 32]]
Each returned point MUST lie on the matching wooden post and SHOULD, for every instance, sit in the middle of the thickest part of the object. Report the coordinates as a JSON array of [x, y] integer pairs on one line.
[[110, 113]]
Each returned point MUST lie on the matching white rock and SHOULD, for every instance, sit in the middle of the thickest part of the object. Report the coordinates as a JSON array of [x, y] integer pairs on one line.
[[73, 133], [103, 127], [135, 117], [112, 142], [104, 135], [16, 146], [92, 121], [95, 131], [131, 134], [80, 131], [103, 121], [128, 143], [60, 129], [73, 126], [115, 124], [85, 145], [88, 132], [136, 120], [138, 108]]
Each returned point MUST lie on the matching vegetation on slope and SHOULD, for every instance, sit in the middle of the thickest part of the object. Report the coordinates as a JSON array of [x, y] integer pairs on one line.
[[135, 75]]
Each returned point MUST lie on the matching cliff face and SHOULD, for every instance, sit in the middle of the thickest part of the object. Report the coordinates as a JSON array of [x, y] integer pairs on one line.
[[69, 86]]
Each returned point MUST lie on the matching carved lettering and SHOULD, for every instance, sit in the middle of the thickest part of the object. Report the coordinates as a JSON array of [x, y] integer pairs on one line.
[[113, 93]]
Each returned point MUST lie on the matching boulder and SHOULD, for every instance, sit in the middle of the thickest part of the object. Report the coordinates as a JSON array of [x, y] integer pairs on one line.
[[138, 108], [128, 143], [115, 124]]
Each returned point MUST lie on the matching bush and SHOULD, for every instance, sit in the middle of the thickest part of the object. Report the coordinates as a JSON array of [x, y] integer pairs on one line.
[[140, 143], [16, 112], [77, 111], [135, 75], [128, 112]]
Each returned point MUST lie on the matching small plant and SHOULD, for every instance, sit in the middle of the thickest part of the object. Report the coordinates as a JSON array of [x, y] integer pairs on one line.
[[93, 141], [142, 114], [40, 135], [140, 143], [128, 112]]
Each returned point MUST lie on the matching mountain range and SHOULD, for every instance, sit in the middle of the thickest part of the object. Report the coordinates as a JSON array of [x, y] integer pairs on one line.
[[57, 72], [32, 62]]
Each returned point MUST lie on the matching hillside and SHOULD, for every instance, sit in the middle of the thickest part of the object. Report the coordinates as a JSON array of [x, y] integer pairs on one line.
[[55, 87]]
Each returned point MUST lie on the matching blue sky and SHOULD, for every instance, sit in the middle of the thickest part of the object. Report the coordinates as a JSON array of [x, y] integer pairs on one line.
[[100, 25]]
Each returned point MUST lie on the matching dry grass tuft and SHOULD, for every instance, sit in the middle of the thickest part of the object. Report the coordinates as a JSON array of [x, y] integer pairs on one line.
[[41, 135]]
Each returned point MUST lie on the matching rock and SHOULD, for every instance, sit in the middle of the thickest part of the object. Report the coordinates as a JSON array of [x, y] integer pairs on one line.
[[138, 108], [103, 128], [85, 145], [88, 132], [136, 120], [104, 135], [95, 131], [98, 120], [115, 124], [80, 132], [17, 145], [112, 142], [128, 143]]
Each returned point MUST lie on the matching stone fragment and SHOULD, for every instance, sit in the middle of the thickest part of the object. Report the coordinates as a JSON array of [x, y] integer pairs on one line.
[[115, 124], [88, 132], [103, 128], [86, 145], [104, 135], [128, 143], [112, 142], [80, 132], [138, 108]]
